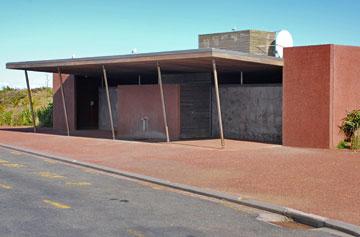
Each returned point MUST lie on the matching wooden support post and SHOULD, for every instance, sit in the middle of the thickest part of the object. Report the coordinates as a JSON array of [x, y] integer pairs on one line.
[[163, 102], [108, 102], [216, 84], [63, 102], [30, 100]]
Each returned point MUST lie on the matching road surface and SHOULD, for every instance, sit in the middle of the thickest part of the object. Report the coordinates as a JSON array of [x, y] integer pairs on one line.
[[41, 197]]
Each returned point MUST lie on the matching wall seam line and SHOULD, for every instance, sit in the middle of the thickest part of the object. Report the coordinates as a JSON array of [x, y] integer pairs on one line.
[[332, 98]]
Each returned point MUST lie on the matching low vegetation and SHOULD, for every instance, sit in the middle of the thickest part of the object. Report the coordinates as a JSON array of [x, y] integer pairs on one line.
[[350, 127], [15, 111]]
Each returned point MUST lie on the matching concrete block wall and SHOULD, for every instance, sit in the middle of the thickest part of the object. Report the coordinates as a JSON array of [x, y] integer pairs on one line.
[[195, 107], [248, 41], [250, 112], [237, 40], [262, 42]]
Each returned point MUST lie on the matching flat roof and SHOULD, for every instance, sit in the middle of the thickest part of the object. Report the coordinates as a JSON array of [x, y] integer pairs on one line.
[[195, 60], [236, 31]]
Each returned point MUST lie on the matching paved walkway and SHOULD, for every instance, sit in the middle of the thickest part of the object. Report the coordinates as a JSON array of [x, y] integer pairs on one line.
[[323, 182]]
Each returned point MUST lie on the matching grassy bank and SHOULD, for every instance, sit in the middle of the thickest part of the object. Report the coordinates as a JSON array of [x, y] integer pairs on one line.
[[14, 107]]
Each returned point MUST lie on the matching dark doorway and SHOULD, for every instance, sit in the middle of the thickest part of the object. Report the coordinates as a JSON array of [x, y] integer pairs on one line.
[[87, 102]]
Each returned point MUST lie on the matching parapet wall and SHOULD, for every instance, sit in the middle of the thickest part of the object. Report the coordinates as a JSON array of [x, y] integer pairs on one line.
[[247, 41]]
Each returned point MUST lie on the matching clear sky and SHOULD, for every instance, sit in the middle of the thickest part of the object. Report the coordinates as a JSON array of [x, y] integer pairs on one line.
[[49, 29]]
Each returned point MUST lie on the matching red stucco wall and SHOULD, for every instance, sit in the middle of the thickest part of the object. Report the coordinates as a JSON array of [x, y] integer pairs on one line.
[[346, 85], [136, 102], [306, 96], [320, 84], [69, 92]]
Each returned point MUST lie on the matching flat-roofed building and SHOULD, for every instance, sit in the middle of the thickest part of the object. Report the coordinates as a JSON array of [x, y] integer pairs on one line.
[[177, 94]]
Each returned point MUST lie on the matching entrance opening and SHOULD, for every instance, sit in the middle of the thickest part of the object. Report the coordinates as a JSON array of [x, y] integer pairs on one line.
[[87, 102]]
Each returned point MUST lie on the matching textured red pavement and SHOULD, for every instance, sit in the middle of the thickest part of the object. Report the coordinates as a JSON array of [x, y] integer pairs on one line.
[[323, 182]]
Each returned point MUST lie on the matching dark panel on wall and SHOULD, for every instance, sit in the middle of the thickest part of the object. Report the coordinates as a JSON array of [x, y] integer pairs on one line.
[[259, 77], [195, 111], [87, 102], [195, 94], [131, 78]]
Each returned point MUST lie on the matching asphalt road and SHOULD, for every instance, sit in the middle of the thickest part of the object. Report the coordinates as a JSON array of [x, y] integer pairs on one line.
[[41, 197]]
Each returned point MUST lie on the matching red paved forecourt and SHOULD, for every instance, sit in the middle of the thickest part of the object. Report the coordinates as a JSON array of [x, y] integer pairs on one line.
[[319, 181]]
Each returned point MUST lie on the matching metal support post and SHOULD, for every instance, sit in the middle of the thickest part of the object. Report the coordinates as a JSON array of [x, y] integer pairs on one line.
[[108, 102], [163, 102], [30, 100], [63, 102], [216, 84]]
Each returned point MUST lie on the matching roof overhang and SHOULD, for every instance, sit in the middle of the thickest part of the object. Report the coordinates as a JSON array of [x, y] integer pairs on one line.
[[197, 60]]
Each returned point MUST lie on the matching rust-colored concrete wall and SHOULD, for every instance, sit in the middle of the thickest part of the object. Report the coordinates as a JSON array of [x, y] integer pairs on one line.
[[346, 84], [69, 92], [320, 84], [306, 93], [136, 102]]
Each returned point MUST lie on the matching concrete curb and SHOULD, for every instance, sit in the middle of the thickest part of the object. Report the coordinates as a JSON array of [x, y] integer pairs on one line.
[[299, 216]]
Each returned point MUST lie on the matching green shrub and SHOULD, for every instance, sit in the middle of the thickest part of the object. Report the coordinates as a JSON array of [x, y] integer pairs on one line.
[[25, 118], [20, 118], [5, 118], [14, 107], [45, 115], [355, 140], [343, 145], [350, 124], [6, 88]]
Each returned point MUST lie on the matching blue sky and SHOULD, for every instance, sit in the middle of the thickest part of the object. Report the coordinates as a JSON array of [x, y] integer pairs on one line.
[[48, 29]]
